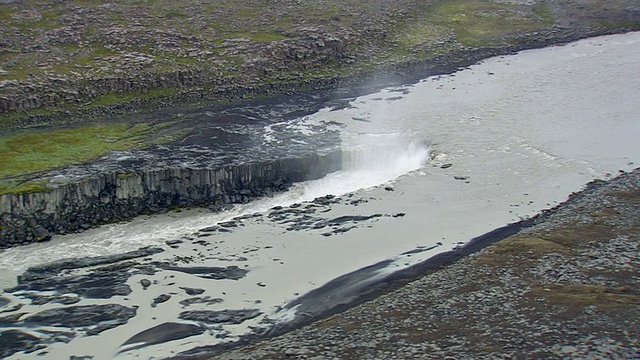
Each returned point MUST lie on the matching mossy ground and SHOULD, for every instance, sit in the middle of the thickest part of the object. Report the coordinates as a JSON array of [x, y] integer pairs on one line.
[[478, 23], [26, 153], [522, 252]]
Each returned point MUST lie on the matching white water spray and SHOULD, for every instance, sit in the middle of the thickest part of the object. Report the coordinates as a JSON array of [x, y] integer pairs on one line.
[[368, 161], [373, 163]]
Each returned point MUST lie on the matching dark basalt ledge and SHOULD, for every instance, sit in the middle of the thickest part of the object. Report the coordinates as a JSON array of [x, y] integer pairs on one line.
[[111, 196]]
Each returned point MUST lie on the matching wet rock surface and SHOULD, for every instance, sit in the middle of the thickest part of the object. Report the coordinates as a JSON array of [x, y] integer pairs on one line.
[[216, 273], [64, 282], [59, 325], [82, 316], [192, 291], [13, 341], [297, 218], [200, 300], [38, 272], [219, 317], [105, 279], [565, 287], [162, 333]]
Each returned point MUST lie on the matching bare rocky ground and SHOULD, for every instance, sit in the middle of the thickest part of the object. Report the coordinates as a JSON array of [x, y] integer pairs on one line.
[[567, 287]]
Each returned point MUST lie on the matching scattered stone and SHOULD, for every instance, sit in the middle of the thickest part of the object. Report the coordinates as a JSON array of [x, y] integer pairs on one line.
[[160, 299], [4, 302], [101, 283], [200, 300], [215, 273], [14, 341], [145, 283], [360, 119], [220, 317], [10, 320], [209, 229], [192, 291], [82, 316], [350, 218], [16, 307], [46, 270], [173, 243], [326, 200]]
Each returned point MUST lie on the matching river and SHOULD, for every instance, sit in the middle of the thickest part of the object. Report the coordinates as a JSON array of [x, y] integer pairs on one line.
[[429, 166]]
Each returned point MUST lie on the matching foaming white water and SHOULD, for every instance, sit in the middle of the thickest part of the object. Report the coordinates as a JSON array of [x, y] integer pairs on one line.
[[371, 165], [107, 240], [374, 161]]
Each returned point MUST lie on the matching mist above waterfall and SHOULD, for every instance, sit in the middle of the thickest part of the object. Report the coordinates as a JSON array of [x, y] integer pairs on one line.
[[377, 160], [368, 159]]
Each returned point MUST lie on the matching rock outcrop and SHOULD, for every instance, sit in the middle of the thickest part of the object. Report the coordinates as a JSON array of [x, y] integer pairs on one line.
[[112, 196], [68, 61]]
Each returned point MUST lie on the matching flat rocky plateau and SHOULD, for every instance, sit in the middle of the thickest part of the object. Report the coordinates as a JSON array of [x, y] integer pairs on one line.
[[566, 287]]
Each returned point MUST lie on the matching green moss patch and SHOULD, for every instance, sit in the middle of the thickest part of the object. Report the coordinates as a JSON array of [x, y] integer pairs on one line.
[[36, 150], [627, 196], [545, 16], [484, 23], [580, 234], [27, 187], [259, 36]]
